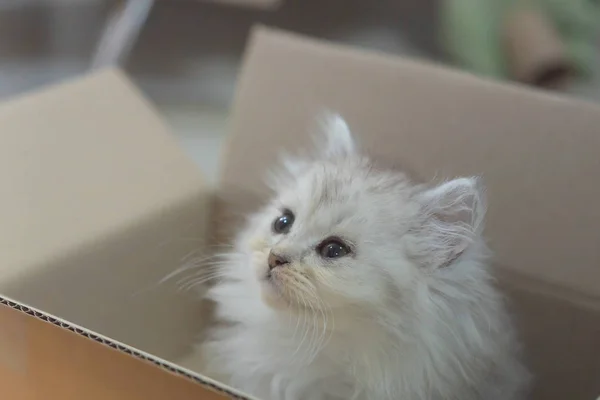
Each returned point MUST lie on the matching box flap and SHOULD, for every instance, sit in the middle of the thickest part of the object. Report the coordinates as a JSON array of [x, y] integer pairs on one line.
[[537, 152], [98, 204]]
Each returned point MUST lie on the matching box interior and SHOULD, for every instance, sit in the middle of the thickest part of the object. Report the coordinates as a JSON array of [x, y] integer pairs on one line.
[[90, 244]]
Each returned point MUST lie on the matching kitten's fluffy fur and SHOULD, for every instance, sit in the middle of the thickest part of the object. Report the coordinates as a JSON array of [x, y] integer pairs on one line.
[[410, 314]]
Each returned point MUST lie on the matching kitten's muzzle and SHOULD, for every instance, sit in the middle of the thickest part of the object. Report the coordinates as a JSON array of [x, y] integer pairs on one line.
[[276, 260]]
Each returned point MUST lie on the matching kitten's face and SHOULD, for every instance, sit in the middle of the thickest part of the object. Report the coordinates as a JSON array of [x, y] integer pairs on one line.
[[340, 233], [330, 239]]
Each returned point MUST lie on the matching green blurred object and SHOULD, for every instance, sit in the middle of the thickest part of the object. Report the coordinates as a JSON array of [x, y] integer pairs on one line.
[[472, 32]]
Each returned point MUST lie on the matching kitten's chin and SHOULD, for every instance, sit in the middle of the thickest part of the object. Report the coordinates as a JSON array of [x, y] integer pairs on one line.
[[272, 295]]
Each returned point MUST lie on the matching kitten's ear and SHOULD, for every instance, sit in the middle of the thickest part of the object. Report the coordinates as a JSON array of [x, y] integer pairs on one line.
[[338, 138], [334, 140], [451, 219]]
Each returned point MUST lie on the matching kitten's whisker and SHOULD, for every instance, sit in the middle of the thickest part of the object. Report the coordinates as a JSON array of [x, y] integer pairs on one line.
[[189, 255], [193, 285], [314, 347], [322, 307], [209, 268], [200, 280], [309, 297], [297, 300], [186, 267], [204, 275], [304, 323], [320, 325], [189, 265], [313, 331], [201, 266], [312, 303]]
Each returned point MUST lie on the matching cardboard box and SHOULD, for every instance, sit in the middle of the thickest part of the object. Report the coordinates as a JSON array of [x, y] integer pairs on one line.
[[97, 194]]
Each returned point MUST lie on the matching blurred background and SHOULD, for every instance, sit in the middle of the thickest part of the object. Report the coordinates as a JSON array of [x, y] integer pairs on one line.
[[185, 54]]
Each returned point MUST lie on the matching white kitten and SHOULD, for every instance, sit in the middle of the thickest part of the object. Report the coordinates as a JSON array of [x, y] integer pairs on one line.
[[354, 283]]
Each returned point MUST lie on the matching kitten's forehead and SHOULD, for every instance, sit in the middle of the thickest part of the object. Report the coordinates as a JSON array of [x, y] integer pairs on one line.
[[345, 185]]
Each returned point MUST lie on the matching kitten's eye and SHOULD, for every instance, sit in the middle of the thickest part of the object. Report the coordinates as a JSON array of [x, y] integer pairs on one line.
[[284, 222], [333, 248]]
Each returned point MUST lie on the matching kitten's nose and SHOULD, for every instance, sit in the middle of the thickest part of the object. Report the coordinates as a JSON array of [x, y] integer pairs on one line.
[[276, 260]]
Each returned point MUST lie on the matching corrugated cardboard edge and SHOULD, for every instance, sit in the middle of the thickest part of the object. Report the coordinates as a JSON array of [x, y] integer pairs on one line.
[[122, 348]]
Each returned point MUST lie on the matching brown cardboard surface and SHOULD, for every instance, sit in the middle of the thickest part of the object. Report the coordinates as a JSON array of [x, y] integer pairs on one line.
[[537, 153], [49, 362], [98, 204]]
